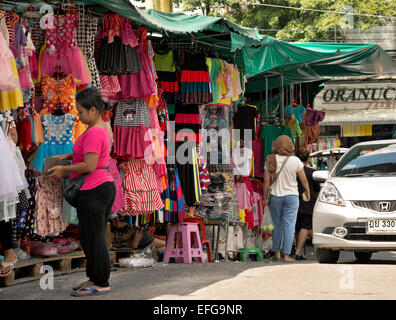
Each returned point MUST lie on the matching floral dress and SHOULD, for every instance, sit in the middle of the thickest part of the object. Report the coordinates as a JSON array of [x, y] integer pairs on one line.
[[57, 138], [49, 199]]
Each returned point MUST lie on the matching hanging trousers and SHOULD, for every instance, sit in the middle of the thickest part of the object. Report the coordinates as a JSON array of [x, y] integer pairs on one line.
[[93, 211], [6, 234]]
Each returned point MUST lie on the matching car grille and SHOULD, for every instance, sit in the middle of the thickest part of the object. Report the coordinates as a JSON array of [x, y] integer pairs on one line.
[[357, 231], [375, 205]]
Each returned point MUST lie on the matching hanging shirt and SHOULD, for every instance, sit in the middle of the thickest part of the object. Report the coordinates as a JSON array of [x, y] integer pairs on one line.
[[312, 116], [269, 133], [241, 158], [298, 112], [244, 119], [293, 124]]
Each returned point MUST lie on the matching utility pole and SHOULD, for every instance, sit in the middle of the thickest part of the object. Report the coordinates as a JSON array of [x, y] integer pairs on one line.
[[160, 5]]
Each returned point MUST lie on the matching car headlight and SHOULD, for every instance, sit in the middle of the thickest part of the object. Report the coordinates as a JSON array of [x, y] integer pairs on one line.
[[331, 195]]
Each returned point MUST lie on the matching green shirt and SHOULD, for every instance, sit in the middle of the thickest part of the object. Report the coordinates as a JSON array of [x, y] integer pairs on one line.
[[269, 134]]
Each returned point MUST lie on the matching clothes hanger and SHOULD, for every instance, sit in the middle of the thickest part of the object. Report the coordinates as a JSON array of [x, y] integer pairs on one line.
[[58, 74], [163, 46], [58, 110], [59, 10]]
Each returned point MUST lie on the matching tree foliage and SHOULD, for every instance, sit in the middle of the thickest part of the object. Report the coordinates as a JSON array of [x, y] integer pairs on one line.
[[293, 25]]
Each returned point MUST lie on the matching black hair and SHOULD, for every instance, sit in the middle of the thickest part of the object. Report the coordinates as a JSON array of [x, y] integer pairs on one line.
[[303, 155], [91, 98]]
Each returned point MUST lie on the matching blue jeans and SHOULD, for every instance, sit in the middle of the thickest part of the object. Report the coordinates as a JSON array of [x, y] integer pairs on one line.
[[284, 215]]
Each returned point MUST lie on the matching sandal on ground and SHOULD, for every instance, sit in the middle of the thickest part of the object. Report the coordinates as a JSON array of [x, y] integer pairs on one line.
[[7, 265], [81, 285], [291, 260], [91, 292], [300, 257], [275, 259]]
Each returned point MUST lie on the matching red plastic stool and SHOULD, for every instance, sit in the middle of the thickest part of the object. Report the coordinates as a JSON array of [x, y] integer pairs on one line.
[[203, 231]]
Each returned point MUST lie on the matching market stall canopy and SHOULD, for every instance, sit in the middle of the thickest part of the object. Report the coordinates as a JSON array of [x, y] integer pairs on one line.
[[165, 22], [308, 62], [358, 100], [259, 55]]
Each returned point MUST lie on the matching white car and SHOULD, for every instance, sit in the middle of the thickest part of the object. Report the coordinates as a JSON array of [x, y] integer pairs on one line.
[[356, 207]]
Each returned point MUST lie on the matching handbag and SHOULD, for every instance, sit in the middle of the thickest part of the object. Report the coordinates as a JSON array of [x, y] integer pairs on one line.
[[73, 187], [268, 195]]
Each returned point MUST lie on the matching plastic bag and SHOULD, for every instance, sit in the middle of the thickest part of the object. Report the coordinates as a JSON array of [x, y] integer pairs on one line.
[[266, 225], [139, 260]]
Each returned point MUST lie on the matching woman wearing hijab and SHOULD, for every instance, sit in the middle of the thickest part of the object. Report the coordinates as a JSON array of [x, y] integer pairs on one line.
[[284, 198]]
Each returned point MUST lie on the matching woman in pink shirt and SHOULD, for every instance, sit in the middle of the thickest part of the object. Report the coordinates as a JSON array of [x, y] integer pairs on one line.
[[91, 155]]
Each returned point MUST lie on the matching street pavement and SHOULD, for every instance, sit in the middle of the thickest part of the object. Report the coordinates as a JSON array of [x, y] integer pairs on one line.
[[266, 280]]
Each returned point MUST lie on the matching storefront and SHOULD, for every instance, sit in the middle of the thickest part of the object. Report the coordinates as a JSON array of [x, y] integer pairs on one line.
[[155, 86], [358, 109]]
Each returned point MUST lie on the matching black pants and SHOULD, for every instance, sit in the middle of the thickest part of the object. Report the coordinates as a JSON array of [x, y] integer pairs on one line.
[[93, 211], [6, 234]]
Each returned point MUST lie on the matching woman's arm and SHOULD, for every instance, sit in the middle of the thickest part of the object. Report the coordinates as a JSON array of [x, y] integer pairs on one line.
[[304, 182], [88, 165], [266, 183]]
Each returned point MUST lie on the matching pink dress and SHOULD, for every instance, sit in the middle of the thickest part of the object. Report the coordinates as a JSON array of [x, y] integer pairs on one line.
[[141, 84], [119, 201], [110, 86], [8, 81], [158, 148], [63, 47]]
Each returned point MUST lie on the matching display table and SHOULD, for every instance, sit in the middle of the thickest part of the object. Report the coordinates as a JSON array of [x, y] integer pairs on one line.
[[216, 238]]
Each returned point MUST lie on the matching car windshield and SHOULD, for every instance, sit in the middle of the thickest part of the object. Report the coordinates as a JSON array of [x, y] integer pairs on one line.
[[368, 160]]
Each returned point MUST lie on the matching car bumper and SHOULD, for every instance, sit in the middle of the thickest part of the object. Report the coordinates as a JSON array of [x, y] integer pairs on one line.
[[327, 217], [321, 240]]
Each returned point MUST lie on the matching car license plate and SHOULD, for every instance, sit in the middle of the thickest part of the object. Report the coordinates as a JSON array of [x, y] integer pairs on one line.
[[381, 226]]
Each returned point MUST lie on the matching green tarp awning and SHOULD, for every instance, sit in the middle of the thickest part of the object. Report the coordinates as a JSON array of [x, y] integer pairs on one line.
[[307, 62]]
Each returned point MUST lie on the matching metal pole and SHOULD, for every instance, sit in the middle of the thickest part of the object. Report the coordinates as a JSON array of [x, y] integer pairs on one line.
[[261, 106], [282, 102], [266, 97]]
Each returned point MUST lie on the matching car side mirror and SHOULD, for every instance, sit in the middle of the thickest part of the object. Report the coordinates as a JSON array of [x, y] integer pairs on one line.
[[320, 175]]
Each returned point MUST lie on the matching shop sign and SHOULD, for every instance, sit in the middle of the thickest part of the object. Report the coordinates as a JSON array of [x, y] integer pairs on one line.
[[356, 96]]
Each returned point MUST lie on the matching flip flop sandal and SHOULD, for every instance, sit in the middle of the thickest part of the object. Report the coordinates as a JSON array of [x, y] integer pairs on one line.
[[274, 259], [291, 260], [6, 265], [92, 292], [81, 285]]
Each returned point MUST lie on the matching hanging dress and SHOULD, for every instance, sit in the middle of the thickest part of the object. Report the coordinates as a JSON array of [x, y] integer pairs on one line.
[[11, 181], [8, 80], [140, 188], [10, 88], [131, 129], [86, 32], [195, 86], [63, 47], [118, 49], [57, 139], [141, 84], [167, 76], [49, 220]]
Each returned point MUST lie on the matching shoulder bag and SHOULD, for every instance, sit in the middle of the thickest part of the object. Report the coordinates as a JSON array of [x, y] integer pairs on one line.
[[268, 195], [73, 187]]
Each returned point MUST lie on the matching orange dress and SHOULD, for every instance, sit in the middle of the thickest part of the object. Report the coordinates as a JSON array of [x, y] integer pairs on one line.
[[54, 92]]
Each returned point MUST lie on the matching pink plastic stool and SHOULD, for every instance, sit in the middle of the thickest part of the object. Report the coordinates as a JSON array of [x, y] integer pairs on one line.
[[184, 249]]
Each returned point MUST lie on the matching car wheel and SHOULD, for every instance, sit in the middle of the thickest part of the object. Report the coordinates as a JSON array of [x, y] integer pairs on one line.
[[362, 256], [326, 255]]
